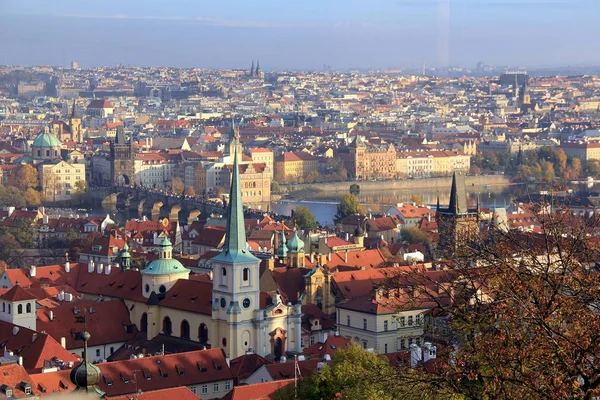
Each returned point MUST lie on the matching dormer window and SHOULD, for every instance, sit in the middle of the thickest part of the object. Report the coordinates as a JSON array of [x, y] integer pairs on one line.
[[96, 248]]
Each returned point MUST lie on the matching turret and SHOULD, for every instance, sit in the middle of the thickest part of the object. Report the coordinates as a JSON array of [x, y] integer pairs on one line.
[[86, 375]]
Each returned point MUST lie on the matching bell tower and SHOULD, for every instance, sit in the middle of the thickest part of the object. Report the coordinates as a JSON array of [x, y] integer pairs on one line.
[[121, 156], [236, 276]]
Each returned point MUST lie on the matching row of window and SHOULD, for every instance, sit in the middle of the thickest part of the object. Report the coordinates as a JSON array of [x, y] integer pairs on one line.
[[216, 388], [19, 308], [402, 321]]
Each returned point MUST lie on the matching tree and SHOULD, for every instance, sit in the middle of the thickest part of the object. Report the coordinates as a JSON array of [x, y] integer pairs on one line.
[[32, 197], [521, 309], [177, 185], [415, 198], [592, 168], [358, 374], [353, 374], [414, 235], [26, 177], [275, 187], [304, 219], [190, 192], [3, 266], [348, 205], [475, 170], [312, 177], [9, 248]]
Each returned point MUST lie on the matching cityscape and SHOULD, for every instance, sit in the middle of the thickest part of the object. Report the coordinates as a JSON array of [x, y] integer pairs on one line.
[[345, 231]]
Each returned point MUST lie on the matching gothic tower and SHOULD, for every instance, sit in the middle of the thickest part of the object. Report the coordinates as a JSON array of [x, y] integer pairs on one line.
[[122, 160], [236, 279], [235, 146], [458, 225], [75, 126], [357, 156]]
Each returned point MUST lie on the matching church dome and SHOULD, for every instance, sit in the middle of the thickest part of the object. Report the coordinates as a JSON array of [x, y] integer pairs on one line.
[[125, 252], [296, 245], [46, 139], [86, 374], [165, 265]]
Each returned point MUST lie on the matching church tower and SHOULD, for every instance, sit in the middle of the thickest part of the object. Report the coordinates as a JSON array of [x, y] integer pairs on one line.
[[458, 225], [75, 126], [122, 160], [235, 146], [357, 156], [236, 279]]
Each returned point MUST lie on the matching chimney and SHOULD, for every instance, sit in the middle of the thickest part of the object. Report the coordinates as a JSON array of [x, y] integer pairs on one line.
[[68, 297], [329, 256], [347, 237], [91, 267], [34, 337], [429, 352], [346, 256], [100, 268], [63, 342], [67, 266], [10, 210], [312, 258], [61, 296], [429, 217], [415, 355], [51, 315], [108, 269], [45, 220], [15, 330], [32, 271], [21, 361]]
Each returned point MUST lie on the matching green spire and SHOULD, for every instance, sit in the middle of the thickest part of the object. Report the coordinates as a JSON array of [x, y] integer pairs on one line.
[[283, 249]]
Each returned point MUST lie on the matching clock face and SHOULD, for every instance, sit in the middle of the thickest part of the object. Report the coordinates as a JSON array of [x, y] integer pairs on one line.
[[246, 302]]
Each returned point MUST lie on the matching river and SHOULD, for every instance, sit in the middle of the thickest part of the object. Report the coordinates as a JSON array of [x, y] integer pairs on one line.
[[324, 206]]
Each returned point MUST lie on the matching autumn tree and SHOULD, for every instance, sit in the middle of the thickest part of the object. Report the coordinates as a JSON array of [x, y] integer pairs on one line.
[[177, 185], [275, 187], [10, 249], [190, 192], [348, 205], [517, 310], [32, 197], [415, 198], [26, 177], [303, 218]]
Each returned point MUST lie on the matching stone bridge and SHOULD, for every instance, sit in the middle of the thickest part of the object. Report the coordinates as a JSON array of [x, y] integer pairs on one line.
[[157, 205]]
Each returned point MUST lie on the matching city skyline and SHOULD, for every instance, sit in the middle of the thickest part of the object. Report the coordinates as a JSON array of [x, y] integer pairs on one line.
[[355, 34]]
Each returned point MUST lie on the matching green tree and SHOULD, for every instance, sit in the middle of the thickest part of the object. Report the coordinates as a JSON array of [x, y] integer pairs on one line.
[[348, 206], [592, 168], [304, 219], [357, 374], [275, 187], [414, 235], [25, 233]]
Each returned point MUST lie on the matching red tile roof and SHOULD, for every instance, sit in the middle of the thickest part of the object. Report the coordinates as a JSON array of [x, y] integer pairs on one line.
[[244, 366], [332, 344], [179, 393], [106, 321], [35, 348], [258, 391], [13, 375], [17, 293]]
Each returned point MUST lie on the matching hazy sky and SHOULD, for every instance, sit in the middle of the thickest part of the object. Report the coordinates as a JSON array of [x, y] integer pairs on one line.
[[300, 34]]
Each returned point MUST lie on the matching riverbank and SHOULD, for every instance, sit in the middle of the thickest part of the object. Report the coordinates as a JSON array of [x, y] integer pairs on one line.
[[330, 189]]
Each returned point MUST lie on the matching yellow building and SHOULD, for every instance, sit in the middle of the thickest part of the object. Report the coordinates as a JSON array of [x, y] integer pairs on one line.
[[583, 150], [292, 167], [381, 322], [431, 163], [61, 181]]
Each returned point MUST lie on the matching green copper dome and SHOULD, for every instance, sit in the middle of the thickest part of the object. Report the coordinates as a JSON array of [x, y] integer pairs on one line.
[[125, 252], [165, 265], [86, 375], [296, 245], [46, 139]]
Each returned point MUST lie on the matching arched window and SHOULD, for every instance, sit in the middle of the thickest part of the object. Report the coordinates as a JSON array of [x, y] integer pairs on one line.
[[203, 334], [246, 274], [185, 329], [144, 323], [20, 309], [167, 327], [28, 308], [223, 272]]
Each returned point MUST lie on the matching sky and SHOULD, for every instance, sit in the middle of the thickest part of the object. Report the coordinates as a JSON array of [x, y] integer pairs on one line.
[[300, 34]]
